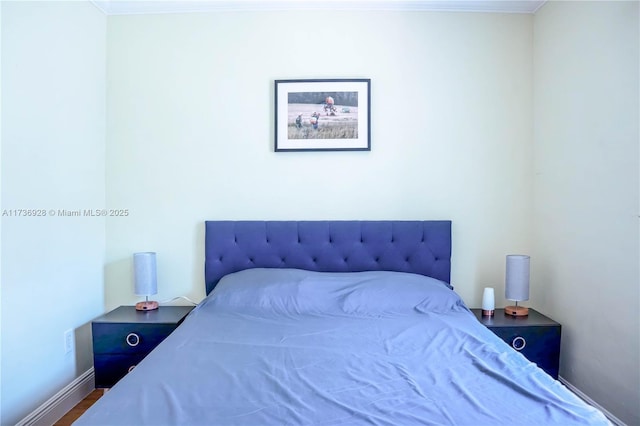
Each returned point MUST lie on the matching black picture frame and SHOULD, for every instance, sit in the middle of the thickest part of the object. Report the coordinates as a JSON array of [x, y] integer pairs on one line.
[[323, 115]]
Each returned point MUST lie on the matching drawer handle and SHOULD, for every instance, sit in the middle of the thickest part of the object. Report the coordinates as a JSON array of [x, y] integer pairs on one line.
[[518, 343], [132, 339], [131, 368]]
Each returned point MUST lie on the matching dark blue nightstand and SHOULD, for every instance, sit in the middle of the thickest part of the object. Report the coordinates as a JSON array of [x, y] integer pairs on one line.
[[536, 336], [124, 336]]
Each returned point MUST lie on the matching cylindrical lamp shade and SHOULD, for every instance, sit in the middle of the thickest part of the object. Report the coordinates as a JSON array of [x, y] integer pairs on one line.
[[517, 277], [488, 301], [146, 280]]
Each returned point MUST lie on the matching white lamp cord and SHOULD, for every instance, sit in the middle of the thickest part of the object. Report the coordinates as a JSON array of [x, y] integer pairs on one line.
[[179, 297]]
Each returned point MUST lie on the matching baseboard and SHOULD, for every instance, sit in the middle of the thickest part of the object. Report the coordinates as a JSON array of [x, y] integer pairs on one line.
[[60, 403], [613, 419]]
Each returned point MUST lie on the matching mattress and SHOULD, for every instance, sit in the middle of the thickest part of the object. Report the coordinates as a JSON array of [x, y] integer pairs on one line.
[[294, 347]]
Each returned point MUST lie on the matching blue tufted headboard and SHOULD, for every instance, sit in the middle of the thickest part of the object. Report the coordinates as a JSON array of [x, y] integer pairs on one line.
[[421, 247]]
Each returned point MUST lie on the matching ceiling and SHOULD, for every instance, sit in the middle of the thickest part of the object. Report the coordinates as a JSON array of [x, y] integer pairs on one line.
[[132, 7]]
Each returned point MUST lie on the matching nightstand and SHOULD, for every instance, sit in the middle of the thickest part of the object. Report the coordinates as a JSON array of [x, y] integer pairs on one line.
[[536, 336], [124, 336]]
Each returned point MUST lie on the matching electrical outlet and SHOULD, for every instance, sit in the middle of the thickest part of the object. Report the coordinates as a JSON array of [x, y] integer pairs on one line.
[[68, 341]]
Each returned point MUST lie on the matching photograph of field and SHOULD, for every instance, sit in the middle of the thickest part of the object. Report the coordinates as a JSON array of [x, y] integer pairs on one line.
[[322, 115]]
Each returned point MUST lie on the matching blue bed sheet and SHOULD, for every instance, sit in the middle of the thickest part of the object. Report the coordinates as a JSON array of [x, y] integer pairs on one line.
[[290, 347]]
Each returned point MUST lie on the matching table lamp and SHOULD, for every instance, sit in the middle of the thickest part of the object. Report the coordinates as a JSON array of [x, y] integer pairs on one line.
[[517, 284], [146, 282]]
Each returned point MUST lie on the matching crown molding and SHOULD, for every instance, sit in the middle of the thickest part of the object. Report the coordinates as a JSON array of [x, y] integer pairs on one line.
[[136, 7]]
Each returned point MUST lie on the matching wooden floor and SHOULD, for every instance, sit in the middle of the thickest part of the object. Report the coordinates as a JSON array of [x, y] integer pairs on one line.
[[82, 406]]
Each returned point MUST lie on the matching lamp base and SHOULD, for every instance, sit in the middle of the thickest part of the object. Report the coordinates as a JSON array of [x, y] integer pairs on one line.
[[149, 305], [516, 311], [488, 312]]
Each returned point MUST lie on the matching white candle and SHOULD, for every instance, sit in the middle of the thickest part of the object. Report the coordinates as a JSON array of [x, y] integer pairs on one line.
[[488, 301]]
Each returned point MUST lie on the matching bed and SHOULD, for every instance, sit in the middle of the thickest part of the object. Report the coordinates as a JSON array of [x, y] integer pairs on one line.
[[334, 323]]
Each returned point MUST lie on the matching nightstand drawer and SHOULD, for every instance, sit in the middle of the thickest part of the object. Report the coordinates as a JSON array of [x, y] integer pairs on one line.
[[111, 368], [128, 338], [538, 344]]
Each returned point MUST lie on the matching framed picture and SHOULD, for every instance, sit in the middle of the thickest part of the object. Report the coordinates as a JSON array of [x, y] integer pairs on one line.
[[323, 115]]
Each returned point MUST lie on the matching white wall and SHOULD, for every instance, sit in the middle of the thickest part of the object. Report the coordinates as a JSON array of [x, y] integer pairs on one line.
[[0, 210], [587, 194], [190, 133], [53, 155]]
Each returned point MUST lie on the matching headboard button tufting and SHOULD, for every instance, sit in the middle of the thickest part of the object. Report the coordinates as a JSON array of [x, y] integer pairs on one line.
[[388, 245]]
